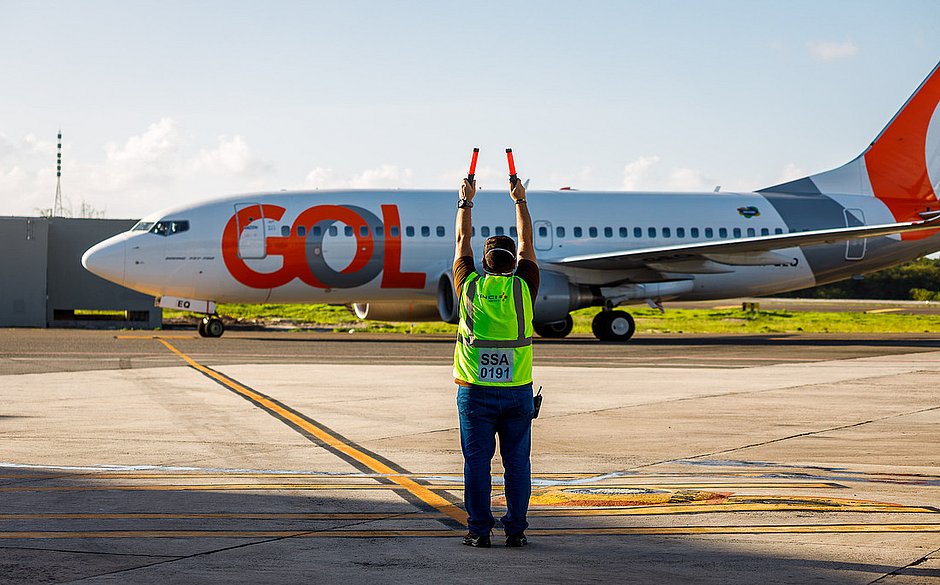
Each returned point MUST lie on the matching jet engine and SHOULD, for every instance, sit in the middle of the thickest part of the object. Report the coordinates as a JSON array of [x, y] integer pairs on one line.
[[443, 309], [557, 297]]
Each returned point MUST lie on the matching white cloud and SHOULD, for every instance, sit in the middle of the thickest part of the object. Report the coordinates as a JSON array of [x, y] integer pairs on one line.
[[791, 172], [831, 50], [646, 172], [384, 176], [230, 156], [158, 167], [635, 172], [689, 180]]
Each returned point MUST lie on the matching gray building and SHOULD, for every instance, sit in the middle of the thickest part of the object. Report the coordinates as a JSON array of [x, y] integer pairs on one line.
[[43, 283]]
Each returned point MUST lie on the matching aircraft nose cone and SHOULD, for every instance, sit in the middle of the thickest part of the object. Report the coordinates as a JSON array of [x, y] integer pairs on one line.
[[106, 259]]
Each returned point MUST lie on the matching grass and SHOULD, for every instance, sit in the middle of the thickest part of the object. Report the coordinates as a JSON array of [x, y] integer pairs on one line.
[[337, 318]]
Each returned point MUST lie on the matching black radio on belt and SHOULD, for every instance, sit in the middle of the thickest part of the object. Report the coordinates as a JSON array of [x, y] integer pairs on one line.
[[537, 403]]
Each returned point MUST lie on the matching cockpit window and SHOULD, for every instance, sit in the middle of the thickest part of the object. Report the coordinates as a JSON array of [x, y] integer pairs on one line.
[[142, 226], [169, 228]]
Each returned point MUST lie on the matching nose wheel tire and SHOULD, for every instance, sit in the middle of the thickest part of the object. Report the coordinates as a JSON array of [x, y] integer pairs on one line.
[[555, 330], [211, 327], [613, 326]]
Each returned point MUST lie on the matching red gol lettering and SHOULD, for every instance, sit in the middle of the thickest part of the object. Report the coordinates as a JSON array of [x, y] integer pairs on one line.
[[302, 255]]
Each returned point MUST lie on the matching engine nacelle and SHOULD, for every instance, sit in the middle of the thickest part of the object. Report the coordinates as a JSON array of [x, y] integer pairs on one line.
[[444, 309], [406, 312], [557, 297]]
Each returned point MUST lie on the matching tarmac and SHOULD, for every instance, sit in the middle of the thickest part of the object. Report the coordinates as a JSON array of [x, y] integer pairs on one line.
[[150, 457]]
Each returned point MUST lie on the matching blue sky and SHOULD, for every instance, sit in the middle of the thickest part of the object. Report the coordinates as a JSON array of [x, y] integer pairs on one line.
[[169, 102]]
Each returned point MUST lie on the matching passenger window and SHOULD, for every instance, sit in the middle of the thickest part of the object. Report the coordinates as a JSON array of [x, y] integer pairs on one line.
[[751, 233], [623, 232], [473, 232], [592, 231], [737, 232], [651, 232], [348, 231], [667, 232], [425, 231], [500, 231], [709, 233], [410, 231], [693, 232], [543, 231], [637, 232], [764, 232], [608, 232], [440, 231], [363, 231], [722, 232], [393, 231], [334, 230], [302, 230], [285, 231], [778, 231], [578, 232], [378, 230], [513, 232], [680, 232], [560, 232], [485, 231]]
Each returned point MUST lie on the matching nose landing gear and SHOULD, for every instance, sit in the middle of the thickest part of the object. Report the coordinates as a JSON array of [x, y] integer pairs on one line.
[[613, 326], [211, 326]]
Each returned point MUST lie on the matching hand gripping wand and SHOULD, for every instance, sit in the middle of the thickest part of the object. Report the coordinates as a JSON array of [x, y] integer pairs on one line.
[[473, 165]]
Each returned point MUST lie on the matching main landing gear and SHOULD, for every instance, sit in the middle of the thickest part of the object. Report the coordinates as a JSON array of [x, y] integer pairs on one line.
[[211, 326], [613, 326]]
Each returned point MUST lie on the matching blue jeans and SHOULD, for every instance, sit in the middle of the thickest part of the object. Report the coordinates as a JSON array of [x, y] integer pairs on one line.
[[485, 412]]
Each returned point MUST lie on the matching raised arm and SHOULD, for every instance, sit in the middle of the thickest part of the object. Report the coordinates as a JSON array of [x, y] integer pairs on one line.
[[464, 224], [523, 223]]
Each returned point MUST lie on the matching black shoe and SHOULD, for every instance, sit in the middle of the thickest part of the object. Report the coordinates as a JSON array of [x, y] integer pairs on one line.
[[516, 540], [477, 540]]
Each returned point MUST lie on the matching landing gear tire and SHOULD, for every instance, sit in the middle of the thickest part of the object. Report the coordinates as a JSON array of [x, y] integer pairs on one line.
[[555, 330], [211, 327], [202, 328], [613, 326]]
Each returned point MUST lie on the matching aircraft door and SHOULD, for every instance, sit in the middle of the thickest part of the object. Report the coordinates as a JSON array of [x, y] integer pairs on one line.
[[855, 249], [542, 235], [251, 244]]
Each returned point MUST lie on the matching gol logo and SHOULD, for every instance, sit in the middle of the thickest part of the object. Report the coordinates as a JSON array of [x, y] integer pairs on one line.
[[303, 255]]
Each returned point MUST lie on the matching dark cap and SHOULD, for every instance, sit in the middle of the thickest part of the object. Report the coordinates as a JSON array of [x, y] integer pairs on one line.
[[499, 255]]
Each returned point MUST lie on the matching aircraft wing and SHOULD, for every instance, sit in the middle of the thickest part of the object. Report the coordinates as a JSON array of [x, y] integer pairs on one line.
[[742, 247]]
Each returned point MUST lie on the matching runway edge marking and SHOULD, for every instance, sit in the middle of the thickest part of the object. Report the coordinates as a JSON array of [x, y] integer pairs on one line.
[[330, 439]]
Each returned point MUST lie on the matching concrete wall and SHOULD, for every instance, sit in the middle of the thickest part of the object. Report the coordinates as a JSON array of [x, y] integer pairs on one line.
[[44, 282], [23, 254]]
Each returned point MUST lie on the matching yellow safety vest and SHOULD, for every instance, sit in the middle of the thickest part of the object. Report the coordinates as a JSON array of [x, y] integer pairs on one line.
[[494, 337]]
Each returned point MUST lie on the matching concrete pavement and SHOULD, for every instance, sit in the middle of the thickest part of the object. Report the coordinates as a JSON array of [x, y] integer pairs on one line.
[[288, 457]]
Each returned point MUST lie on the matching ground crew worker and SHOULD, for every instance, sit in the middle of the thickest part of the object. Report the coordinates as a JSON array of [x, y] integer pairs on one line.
[[493, 367]]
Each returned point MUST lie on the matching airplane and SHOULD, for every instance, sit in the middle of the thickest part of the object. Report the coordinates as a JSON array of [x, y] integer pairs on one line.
[[388, 253]]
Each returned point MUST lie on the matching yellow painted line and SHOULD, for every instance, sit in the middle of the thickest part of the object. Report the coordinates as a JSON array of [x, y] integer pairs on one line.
[[892, 310], [424, 494], [402, 483], [222, 516], [151, 337], [615, 531], [722, 508]]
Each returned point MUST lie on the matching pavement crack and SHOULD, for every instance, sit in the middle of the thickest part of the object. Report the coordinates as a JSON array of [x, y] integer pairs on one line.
[[218, 550], [87, 552], [787, 438], [899, 570]]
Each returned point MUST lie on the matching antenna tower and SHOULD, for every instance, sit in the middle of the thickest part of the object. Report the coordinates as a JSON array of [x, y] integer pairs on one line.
[[57, 207]]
